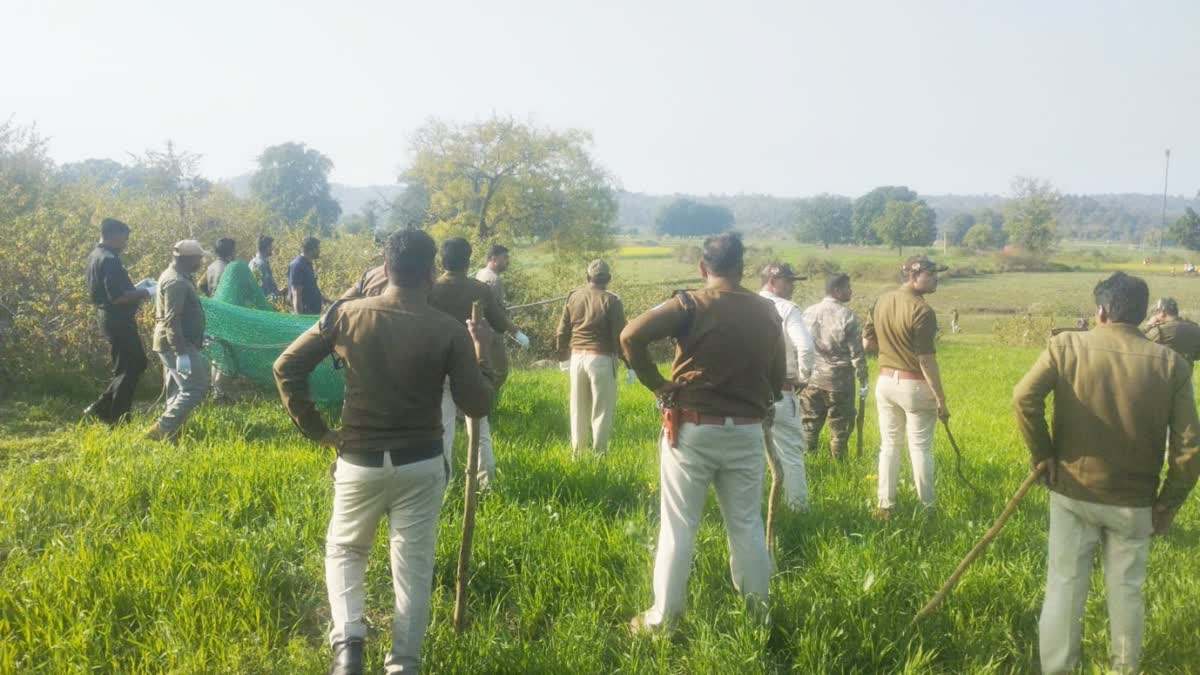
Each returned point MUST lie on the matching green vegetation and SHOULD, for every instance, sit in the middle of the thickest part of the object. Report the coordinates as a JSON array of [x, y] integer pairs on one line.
[[129, 556]]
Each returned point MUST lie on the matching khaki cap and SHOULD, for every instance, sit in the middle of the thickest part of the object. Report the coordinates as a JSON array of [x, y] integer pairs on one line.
[[598, 268], [778, 270], [190, 247], [922, 263]]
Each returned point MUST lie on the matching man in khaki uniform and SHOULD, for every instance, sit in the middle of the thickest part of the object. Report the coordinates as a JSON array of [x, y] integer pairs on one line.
[[497, 264], [1167, 328], [589, 334], [372, 282], [397, 351], [908, 394], [179, 339], [454, 293], [1116, 394], [779, 285], [831, 391], [729, 367]]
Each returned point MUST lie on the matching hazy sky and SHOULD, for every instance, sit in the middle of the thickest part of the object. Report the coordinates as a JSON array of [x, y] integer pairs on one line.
[[790, 98]]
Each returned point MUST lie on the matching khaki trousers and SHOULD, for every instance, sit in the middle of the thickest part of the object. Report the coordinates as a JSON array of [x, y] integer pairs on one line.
[[789, 447], [487, 459], [411, 498], [907, 412], [593, 401], [838, 406], [1077, 529], [184, 391], [729, 457]]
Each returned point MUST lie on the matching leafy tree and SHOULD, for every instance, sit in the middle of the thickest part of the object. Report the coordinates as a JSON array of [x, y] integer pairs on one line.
[[981, 236], [411, 207], [293, 180], [688, 218], [824, 218], [869, 207], [1186, 230], [958, 226], [906, 223], [1030, 217], [501, 178]]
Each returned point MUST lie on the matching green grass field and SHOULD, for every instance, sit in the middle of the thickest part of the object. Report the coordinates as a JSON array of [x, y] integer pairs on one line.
[[120, 555]]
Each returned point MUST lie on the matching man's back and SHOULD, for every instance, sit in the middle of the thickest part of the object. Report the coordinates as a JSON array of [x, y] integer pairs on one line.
[[455, 293], [373, 282], [594, 318], [1179, 334], [212, 276], [837, 342], [1115, 394], [905, 327]]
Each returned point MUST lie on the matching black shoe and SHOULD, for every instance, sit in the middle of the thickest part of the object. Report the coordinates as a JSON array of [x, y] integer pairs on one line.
[[94, 411], [347, 658]]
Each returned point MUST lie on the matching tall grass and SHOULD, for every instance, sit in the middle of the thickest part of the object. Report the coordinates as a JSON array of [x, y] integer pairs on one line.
[[119, 555]]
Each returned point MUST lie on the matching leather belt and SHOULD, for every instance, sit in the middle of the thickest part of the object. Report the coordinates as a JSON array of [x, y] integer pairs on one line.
[[900, 374], [400, 456], [693, 417]]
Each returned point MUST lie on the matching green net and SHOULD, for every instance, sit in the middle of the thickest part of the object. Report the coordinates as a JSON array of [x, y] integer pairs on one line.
[[246, 335]]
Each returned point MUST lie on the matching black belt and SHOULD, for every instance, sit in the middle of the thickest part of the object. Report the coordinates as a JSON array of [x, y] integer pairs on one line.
[[400, 456]]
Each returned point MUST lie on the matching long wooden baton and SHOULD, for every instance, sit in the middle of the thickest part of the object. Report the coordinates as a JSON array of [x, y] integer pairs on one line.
[[981, 545], [470, 497], [859, 421], [776, 478]]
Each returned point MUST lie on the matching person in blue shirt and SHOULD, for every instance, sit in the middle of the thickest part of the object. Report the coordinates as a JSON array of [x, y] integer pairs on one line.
[[302, 279]]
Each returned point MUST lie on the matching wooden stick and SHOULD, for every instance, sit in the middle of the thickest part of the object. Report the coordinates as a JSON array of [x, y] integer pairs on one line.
[[981, 545], [470, 497], [776, 478]]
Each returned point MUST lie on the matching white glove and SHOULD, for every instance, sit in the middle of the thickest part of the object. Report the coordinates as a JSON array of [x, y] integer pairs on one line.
[[148, 285], [564, 366], [630, 376], [522, 339], [862, 393], [183, 363]]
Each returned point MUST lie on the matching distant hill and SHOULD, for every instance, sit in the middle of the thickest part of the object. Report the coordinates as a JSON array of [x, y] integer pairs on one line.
[[352, 198]]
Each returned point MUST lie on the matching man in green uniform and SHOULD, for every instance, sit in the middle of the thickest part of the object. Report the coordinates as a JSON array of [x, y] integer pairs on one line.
[[831, 390], [1167, 328], [1116, 394], [908, 394], [589, 334], [729, 369], [398, 350], [179, 340]]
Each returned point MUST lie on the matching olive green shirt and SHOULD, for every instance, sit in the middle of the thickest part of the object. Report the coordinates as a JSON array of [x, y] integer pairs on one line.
[[592, 321], [178, 316], [455, 293], [729, 354], [397, 352], [1116, 394], [373, 282], [1179, 334], [904, 326]]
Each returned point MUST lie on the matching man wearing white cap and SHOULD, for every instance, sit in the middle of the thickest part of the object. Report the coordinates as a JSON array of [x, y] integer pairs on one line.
[[178, 340]]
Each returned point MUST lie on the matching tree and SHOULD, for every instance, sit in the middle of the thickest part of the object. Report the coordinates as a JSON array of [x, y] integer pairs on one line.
[[981, 236], [906, 223], [824, 218], [293, 181], [957, 227], [411, 207], [1030, 217], [1186, 230], [869, 207], [501, 178], [688, 218]]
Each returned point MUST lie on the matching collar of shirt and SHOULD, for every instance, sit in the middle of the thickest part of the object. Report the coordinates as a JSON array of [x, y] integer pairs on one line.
[[1127, 328], [408, 297]]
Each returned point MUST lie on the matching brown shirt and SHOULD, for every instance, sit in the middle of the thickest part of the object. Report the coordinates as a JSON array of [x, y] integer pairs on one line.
[[397, 351], [729, 354], [1179, 334], [373, 282], [1115, 396], [454, 293], [178, 316], [904, 326], [592, 321]]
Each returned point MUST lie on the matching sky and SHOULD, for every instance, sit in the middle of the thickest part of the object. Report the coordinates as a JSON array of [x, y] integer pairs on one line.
[[788, 98]]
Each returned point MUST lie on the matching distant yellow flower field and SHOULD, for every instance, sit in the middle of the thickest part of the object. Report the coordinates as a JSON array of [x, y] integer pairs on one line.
[[644, 252]]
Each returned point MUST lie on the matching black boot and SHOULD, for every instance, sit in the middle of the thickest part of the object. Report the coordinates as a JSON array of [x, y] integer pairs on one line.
[[347, 658]]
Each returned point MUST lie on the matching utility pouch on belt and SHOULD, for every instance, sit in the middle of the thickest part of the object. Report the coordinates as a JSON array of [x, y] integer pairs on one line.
[[671, 425]]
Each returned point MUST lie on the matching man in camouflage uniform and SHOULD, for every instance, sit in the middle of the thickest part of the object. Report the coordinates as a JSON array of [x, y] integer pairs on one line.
[[1167, 328], [830, 392]]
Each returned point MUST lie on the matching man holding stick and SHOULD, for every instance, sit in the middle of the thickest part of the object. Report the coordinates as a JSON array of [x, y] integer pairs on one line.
[[1116, 394], [729, 368], [398, 350]]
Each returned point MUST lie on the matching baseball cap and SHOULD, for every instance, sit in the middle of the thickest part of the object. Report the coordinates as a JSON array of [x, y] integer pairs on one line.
[[1167, 305], [598, 268], [922, 263], [190, 247], [777, 270]]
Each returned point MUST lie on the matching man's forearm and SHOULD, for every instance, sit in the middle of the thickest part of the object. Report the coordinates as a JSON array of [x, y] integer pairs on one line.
[[933, 375], [637, 356]]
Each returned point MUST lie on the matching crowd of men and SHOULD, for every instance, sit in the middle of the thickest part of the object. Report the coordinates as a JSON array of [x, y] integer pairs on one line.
[[745, 362]]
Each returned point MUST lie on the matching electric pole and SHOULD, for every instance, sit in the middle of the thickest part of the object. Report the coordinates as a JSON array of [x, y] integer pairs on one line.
[[1166, 174]]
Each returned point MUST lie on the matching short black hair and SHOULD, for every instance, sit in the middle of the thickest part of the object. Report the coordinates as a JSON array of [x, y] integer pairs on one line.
[[410, 255], [497, 250], [835, 281], [1123, 297], [111, 227], [310, 244], [724, 255], [264, 243], [225, 247], [456, 254]]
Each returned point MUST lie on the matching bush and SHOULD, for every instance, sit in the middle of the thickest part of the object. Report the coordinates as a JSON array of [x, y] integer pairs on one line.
[[1016, 260], [689, 254]]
